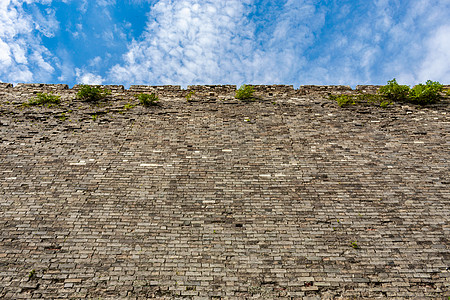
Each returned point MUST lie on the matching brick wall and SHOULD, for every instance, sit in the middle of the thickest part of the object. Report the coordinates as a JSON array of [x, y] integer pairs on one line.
[[286, 197]]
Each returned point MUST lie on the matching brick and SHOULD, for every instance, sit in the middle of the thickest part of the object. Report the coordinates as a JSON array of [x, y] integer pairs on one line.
[[222, 198]]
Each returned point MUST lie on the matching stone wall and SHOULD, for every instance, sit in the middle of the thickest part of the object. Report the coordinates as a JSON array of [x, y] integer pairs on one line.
[[198, 91], [174, 91], [286, 197]]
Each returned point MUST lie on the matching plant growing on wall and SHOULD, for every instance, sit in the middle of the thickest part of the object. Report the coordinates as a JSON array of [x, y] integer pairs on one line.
[[44, 98], [345, 100], [426, 93], [189, 96], [354, 245], [420, 94], [128, 106], [394, 91], [148, 100], [245, 93], [88, 93]]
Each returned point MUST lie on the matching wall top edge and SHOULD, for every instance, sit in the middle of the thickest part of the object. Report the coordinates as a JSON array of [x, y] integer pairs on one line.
[[207, 88], [40, 85]]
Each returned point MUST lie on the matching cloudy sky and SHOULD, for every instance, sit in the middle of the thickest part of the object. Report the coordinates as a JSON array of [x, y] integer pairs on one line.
[[187, 42]]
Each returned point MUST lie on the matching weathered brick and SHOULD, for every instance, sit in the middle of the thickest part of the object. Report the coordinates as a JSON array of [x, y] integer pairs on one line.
[[220, 198]]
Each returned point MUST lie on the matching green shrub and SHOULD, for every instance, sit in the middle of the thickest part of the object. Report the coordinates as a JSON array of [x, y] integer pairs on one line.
[[420, 94], [245, 92], [189, 95], [90, 93], [148, 99], [385, 104], [344, 100], [43, 98], [354, 245], [426, 93], [395, 92], [378, 100]]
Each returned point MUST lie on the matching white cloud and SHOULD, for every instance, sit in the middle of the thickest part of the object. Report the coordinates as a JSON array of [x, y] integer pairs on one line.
[[217, 42], [46, 24], [95, 62], [381, 40], [106, 2], [66, 66], [83, 6], [23, 58], [424, 36], [197, 42], [436, 64], [85, 77], [191, 41]]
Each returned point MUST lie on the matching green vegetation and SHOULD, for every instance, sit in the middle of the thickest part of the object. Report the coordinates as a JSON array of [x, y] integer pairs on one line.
[[32, 274], [426, 93], [62, 117], [128, 106], [354, 245], [422, 94], [94, 117], [148, 99], [394, 91], [346, 100], [44, 98], [245, 93], [385, 104], [189, 96], [88, 93]]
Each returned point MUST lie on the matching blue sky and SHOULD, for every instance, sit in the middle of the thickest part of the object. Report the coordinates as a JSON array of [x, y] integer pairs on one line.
[[185, 42]]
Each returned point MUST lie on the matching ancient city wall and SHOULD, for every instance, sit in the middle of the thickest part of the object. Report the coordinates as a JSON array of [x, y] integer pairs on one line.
[[219, 91], [286, 197]]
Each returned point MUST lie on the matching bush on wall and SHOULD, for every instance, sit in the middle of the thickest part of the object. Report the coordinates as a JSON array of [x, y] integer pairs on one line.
[[420, 94], [245, 92], [148, 99], [44, 98], [90, 93], [426, 93]]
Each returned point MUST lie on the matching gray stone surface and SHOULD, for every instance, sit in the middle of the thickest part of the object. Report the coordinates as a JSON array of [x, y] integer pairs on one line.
[[289, 198]]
